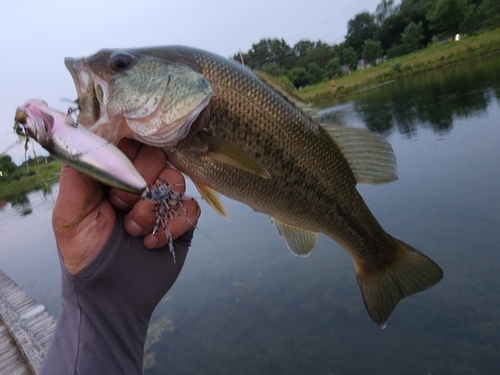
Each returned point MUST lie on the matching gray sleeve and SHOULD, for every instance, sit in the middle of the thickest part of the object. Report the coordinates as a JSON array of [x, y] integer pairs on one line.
[[105, 310]]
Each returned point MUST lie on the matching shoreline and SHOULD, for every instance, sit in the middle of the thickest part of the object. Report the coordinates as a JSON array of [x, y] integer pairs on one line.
[[429, 59]]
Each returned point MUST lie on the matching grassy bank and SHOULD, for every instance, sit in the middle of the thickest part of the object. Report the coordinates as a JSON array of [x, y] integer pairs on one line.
[[433, 57], [23, 180]]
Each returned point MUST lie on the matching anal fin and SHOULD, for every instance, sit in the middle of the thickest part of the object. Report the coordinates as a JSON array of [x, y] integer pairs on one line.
[[299, 241]]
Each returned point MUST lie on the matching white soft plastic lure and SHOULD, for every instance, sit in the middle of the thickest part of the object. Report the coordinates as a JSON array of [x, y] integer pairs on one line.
[[75, 145]]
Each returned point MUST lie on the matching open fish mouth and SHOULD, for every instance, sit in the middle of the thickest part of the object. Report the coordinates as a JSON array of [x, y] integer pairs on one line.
[[90, 93]]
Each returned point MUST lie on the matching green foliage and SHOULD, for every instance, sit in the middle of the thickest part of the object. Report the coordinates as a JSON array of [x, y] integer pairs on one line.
[[396, 29], [299, 77], [446, 16], [273, 69], [372, 51], [385, 9], [472, 20], [285, 81], [359, 29], [315, 73], [491, 11], [7, 166], [412, 37], [397, 67], [302, 47], [396, 51], [25, 179], [269, 51], [350, 58], [319, 53], [333, 69]]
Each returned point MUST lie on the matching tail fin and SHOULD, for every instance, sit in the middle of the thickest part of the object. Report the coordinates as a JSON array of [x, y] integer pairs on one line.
[[410, 273]]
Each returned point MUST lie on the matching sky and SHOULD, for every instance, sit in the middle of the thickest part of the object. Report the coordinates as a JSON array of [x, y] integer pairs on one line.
[[35, 36]]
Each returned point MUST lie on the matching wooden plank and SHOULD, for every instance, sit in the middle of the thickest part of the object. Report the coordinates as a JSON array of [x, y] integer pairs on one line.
[[29, 326], [12, 362]]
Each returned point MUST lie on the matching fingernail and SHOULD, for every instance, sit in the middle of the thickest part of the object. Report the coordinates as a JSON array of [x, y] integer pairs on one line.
[[132, 228], [150, 241], [117, 202]]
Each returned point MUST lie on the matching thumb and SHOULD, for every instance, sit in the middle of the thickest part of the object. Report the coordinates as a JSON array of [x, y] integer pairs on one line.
[[80, 209]]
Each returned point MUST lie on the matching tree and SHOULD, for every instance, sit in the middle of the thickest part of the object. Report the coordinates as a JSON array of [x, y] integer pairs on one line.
[[446, 16], [385, 9], [491, 11], [412, 37], [7, 166], [359, 29], [472, 21], [350, 58], [390, 32], [320, 54], [416, 11], [302, 47], [269, 51], [273, 69], [333, 69], [315, 73], [299, 77], [372, 51], [396, 50]]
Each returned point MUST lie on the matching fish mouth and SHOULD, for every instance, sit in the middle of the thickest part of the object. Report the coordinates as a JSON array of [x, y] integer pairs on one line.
[[90, 91]]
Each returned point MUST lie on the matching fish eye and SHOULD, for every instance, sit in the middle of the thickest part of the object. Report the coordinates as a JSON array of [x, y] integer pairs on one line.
[[119, 61]]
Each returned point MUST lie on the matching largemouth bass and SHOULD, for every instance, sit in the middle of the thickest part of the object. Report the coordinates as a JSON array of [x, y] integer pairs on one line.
[[232, 133]]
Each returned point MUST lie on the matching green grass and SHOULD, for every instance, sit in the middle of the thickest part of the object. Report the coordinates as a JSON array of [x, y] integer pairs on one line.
[[433, 57]]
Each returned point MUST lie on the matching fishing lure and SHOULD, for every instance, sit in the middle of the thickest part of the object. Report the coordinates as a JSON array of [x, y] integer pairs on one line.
[[61, 135]]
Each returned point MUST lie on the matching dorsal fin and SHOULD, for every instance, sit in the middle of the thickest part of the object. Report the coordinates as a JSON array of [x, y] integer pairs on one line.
[[370, 157], [289, 96]]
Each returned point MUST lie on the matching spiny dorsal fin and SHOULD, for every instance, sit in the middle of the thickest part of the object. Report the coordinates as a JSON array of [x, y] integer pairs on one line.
[[370, 157], [299, 241], [287, 95], [212, 198], [234, 156]]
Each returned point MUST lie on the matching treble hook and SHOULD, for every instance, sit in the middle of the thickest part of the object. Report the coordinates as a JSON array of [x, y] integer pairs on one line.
[[71, 117]]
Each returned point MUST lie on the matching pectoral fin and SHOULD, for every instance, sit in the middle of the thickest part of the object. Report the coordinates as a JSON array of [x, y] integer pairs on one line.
[[212, 198], [232, 155], [299, 241]]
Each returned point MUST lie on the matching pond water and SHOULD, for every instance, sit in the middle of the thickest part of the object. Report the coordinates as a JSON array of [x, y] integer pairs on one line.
[[244, 305]]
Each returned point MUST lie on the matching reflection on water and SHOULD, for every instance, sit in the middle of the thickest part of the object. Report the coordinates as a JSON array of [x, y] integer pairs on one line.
[[433, 100], [19, 201], [244, 305]]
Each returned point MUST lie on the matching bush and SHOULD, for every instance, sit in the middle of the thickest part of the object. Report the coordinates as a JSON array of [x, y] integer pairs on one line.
[[396, 51], [397, 67], [286, 82]]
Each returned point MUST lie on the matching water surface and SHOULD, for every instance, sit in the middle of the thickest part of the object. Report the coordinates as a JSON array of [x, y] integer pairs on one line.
[[244, 305]]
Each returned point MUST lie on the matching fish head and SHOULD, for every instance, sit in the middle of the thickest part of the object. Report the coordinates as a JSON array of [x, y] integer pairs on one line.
[[129, 93]]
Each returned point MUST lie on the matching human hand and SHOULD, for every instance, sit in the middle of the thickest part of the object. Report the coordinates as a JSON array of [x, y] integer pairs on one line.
[[83, 219]]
